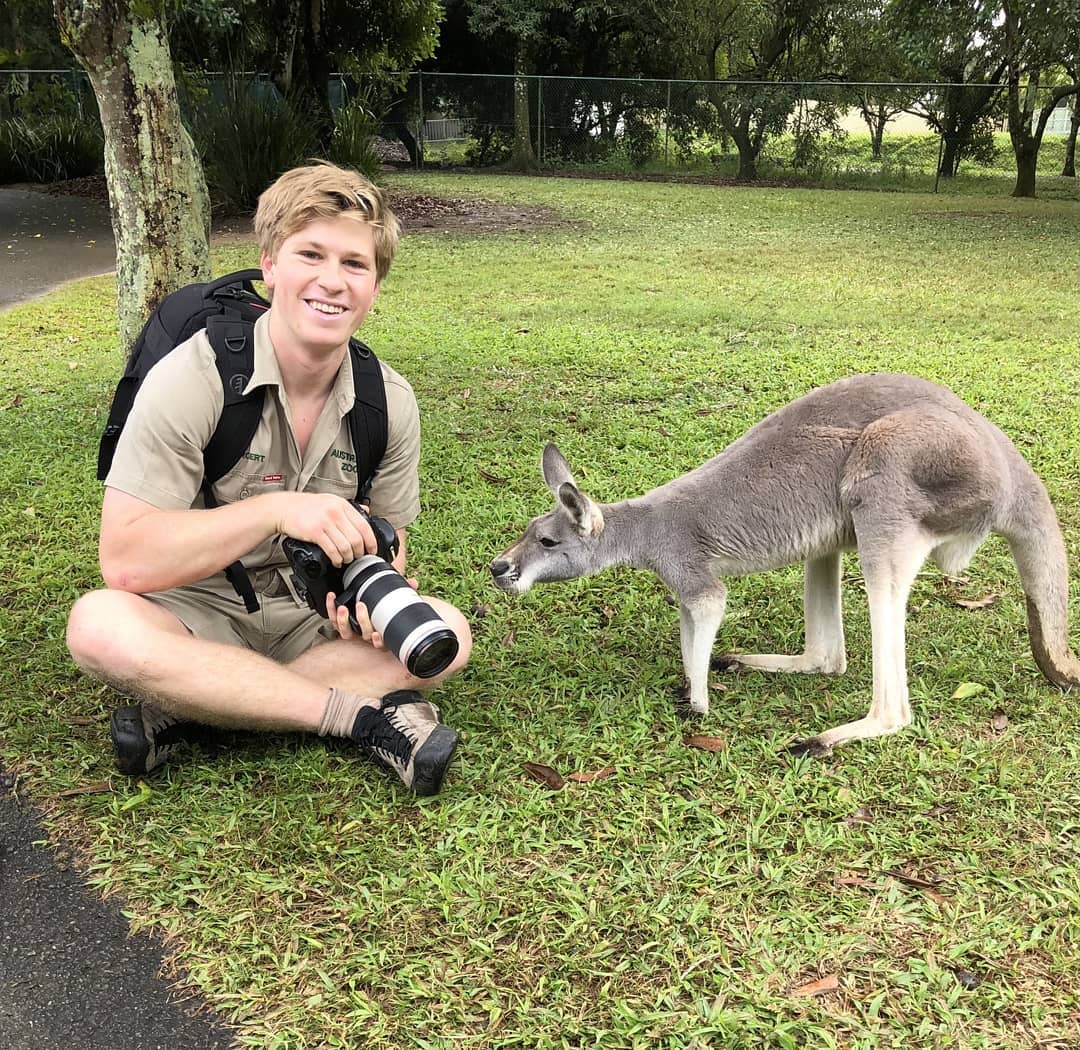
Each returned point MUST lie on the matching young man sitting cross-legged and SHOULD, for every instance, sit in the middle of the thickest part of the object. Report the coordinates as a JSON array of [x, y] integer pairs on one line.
[[169, 629]]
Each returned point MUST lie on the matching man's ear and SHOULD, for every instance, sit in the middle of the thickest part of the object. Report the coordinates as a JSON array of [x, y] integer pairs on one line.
[[267, 264], [586, 515]]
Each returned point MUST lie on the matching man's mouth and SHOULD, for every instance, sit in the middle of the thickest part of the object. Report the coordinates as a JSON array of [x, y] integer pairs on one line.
[[325, 308]]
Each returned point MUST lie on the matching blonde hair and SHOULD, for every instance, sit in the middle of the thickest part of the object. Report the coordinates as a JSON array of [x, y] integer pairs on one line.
[[324, 191]]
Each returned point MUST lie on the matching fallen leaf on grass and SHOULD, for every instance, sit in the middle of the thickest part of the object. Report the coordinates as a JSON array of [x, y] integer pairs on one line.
[[706, 743], [508, 640], [999, 721], [966, 689], [101, 787], [825, 984], [863, 815], [919, 883], [978, 603], [480, 610], [15, 401], [81, 720], [852, 880], [587, 778], [545, 774], [493, 478]]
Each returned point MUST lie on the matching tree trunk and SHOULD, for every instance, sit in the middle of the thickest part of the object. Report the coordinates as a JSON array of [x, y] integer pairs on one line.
[[1025, 173], [522, 157], [157, 193], [748, 154], [1069, 170]]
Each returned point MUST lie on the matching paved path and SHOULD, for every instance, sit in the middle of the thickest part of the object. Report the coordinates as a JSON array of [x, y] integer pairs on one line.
[[72, 977], [47, 240]]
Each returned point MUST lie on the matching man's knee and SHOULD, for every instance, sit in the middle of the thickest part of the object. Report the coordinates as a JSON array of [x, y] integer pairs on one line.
[[460, 626], [103, 630]]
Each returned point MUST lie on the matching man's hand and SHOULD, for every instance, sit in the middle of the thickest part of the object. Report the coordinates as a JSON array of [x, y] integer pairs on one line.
[[330, 521], [339, 617]]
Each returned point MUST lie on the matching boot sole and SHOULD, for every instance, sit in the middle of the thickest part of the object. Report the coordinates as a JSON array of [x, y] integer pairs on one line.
[[128, 741], [431, 761]]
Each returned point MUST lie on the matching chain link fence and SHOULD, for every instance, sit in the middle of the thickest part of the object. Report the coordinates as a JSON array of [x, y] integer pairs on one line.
[[723, 128], [736, 127]]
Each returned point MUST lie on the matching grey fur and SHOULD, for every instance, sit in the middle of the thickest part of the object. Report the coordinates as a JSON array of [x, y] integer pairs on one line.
[[892, 465]]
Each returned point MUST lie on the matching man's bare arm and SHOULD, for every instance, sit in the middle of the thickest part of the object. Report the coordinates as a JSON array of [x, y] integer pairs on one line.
[[144, 548]]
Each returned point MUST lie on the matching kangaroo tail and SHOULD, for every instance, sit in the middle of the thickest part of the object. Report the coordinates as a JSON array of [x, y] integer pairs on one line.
[[1035, 540]]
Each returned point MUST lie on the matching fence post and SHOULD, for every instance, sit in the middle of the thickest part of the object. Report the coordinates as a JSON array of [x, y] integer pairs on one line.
[[420, 123], [667, 123], [940, 151], [539, 118]]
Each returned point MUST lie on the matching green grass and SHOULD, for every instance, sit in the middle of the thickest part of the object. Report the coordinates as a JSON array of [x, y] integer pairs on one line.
[[681, 901]]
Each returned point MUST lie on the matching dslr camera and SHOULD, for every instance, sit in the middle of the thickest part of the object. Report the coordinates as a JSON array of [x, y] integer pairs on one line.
[[417, 635]]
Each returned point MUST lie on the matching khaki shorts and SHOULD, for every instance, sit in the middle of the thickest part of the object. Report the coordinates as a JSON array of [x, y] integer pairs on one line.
[[281, 628]]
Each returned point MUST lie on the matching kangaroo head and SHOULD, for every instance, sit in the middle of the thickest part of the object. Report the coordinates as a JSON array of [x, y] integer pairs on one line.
[[559, 545]]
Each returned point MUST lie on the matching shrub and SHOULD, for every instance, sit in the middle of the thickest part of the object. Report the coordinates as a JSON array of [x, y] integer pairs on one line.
[[49, 150], [247, 136], [353, 141]]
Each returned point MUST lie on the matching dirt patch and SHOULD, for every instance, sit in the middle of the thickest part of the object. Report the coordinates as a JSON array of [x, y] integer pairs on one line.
[[417, 211]]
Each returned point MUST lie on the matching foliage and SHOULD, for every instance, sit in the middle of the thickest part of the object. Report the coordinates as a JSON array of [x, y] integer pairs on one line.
[[247, 135], [690, 897], [49, 150], [353, 141]]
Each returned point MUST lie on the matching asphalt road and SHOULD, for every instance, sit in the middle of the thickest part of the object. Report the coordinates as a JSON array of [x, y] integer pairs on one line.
[[47, 240], [72, 976]]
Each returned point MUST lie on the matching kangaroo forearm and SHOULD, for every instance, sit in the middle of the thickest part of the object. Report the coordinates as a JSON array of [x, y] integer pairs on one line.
[[171, 548]]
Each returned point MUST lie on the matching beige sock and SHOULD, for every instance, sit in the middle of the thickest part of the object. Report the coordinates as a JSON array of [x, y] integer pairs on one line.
[[341, 711]]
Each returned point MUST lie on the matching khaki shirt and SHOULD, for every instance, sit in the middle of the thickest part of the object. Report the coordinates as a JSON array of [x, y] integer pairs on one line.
[[159, 457]]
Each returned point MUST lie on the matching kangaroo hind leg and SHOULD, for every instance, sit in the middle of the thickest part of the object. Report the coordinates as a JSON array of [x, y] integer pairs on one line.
[[825, 651], [890, 565]]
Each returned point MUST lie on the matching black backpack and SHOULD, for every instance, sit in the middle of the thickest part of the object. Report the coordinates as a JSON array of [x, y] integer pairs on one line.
[[228, 309]]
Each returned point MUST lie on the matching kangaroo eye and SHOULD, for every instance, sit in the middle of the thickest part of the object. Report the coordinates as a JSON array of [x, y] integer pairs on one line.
[[547, 541]]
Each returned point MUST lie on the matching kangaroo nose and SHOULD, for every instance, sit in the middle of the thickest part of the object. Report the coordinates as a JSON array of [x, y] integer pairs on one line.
[[499, 567]]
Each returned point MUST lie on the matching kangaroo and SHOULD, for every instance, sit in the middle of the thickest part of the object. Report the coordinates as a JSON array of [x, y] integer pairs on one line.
[[892, 465]]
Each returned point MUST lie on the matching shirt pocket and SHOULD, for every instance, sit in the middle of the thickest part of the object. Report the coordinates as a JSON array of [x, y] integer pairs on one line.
[[239, 485], [334, 486]]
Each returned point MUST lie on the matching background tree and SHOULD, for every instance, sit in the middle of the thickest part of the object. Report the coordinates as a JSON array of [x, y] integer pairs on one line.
[[870, 56], [515, 28], [157, 193], [1038, 36], [302, 43], [952, 43]]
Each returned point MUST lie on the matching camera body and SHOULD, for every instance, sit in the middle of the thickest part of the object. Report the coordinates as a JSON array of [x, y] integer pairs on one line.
[[410, 628]]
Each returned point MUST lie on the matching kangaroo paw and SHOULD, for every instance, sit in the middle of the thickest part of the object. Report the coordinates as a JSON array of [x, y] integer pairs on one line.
[[812, 747], [683, 708]]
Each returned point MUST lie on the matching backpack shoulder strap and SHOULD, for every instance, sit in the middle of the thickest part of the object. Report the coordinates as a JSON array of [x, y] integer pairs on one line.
[[233, 340], [368, 424]]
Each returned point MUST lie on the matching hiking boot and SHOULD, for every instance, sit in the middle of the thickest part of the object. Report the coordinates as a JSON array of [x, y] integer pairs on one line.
[[405, 736], [144, 737]]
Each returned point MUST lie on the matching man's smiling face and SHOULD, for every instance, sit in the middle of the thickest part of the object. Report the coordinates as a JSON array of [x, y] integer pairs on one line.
[[323, 282]]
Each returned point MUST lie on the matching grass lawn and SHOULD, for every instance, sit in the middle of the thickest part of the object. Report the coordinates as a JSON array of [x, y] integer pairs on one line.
[[929, 881]]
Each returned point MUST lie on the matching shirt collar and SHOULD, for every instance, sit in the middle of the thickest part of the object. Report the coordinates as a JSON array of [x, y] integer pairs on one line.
[[267, 372]]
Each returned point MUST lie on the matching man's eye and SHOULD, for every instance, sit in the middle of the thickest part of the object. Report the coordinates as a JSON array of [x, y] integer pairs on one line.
[[547, 541]]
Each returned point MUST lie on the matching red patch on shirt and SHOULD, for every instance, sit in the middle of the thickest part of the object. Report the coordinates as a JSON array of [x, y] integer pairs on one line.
[[273, 477]]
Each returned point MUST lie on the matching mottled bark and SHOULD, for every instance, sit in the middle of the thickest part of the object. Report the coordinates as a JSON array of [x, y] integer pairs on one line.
[[157, 193]]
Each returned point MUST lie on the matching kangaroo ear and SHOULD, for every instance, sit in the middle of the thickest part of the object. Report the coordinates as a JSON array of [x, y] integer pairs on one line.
[[586, 515], [555, 469]]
